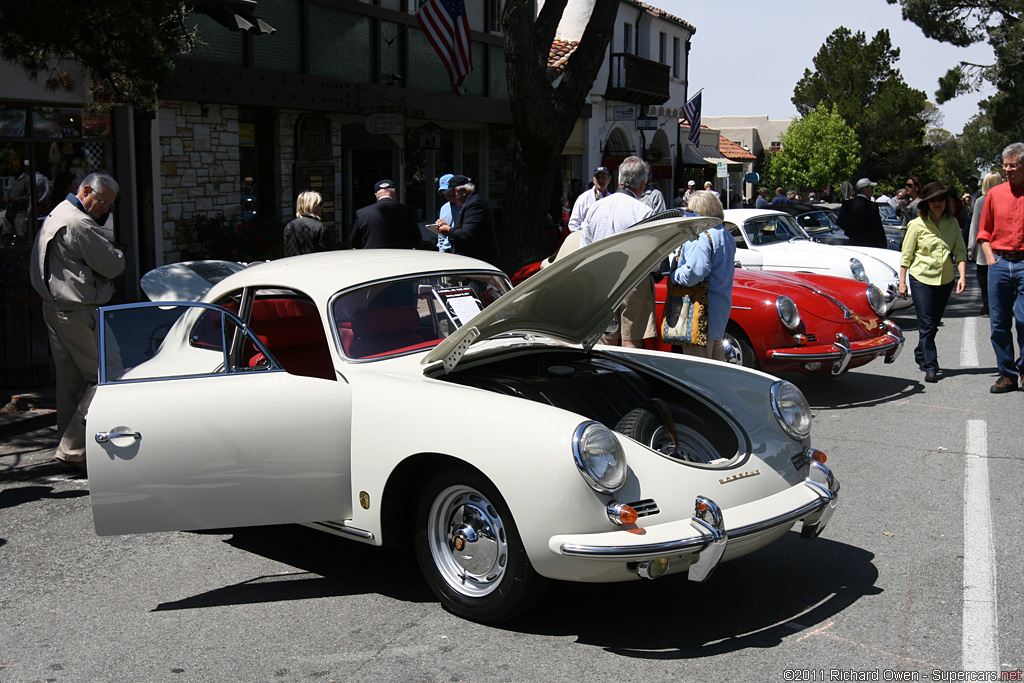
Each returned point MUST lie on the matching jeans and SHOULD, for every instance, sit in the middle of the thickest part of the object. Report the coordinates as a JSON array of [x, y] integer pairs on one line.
[[1006, 308], [982, 271], [929, 304]]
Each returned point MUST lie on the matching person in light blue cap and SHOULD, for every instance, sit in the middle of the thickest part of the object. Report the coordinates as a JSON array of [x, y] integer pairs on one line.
[[449, 212]]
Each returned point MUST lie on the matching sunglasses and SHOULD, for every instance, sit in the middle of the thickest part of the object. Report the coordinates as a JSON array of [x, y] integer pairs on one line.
[[910, 184]]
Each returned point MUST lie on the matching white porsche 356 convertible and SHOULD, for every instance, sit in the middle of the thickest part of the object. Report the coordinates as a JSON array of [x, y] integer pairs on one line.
[[409, 397]]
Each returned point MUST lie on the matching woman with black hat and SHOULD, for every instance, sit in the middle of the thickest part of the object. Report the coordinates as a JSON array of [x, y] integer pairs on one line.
[[931, 239]]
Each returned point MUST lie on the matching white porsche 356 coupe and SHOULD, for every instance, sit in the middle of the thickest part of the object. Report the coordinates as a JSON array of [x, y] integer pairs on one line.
[[409, 397]]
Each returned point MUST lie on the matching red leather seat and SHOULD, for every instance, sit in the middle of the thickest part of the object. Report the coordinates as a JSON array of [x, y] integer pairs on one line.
[[376, 331], [298, 343]]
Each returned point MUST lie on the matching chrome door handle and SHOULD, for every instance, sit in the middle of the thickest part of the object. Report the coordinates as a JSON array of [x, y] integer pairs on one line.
[[104, 437]]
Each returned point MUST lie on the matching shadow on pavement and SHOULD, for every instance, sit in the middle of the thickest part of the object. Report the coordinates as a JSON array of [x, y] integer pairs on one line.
[[854, 389], [756, 601], [327, 566]]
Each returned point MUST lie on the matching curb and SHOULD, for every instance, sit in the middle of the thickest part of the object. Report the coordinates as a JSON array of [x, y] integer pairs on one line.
[[27, 421]]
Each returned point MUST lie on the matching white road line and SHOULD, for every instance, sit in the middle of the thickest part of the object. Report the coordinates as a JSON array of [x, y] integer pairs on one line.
[[981, 622], [969, 347]]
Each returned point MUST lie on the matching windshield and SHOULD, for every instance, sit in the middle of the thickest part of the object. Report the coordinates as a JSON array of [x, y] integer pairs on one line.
[[886, 210], [774, 228], [401, 316], [817, 221]]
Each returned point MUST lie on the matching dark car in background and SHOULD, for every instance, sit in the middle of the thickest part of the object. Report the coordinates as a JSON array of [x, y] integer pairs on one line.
[[819, 221]]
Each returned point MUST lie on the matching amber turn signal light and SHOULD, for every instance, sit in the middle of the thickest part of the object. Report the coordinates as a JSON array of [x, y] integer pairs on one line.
[[621, 513]]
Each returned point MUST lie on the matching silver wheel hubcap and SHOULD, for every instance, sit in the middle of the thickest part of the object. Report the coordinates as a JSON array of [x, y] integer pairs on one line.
[[467, 541], [733, 350]]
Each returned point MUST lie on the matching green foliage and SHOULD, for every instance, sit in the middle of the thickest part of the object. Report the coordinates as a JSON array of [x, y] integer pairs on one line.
[[126, 46], [966, 22], [859, 79], [818, 150], [221, 237]]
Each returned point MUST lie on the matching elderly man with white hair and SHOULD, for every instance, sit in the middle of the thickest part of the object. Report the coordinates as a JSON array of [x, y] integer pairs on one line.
[[72, 269], [614, 214]]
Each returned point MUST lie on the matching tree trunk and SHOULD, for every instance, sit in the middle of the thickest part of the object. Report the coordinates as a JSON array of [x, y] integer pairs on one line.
[[544, 117]]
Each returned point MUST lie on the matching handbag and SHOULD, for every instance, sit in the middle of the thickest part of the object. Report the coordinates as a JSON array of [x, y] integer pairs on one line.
[[685, 319]]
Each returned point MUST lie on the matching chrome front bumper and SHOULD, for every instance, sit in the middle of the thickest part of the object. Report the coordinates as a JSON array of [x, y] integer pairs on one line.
[[708, 537], [841, 352]]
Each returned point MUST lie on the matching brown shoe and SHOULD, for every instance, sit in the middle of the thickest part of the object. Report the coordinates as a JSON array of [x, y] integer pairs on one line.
[[79, 465], [1004, 385]]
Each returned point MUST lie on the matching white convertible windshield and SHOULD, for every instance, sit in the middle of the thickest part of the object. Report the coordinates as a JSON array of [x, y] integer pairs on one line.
[[773, 228], [401, 316]]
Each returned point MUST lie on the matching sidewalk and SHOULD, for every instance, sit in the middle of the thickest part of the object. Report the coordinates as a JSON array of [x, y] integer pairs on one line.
[[26, 409]]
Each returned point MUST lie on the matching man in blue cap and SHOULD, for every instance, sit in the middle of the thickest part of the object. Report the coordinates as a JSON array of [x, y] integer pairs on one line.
[[449, 212], [473, 232]]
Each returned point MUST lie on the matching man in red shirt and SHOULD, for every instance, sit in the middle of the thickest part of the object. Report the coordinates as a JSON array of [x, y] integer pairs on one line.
[[1001, 237]]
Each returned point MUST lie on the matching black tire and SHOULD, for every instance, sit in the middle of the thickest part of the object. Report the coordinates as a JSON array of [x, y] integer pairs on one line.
[[492, 583], [647, 427], [744, 350]]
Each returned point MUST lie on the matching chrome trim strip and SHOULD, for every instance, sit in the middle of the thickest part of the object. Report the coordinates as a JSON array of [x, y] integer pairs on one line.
[[341, 528]]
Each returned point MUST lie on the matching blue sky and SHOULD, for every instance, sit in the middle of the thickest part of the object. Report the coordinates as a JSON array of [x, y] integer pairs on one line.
[[748, 56]]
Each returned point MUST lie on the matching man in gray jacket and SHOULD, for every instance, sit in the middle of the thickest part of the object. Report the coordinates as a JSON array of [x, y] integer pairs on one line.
[[72, 268]]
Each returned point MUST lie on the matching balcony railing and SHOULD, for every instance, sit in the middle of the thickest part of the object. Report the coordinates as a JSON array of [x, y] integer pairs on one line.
[[637, 80]]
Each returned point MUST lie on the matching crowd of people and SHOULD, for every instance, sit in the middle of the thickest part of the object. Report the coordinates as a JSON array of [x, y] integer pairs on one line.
[[73, 263]]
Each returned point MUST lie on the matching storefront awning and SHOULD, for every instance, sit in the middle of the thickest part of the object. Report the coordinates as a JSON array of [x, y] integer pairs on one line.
[[236, 15], [696, 155], [706, 155]]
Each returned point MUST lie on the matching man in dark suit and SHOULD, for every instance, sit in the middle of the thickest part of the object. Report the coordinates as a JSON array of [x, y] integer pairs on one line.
[[387, 223], [473, 233], [859, 217]]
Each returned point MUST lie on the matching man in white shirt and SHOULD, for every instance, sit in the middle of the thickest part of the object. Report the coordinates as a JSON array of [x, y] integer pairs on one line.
[[602, 177], [615, 214]]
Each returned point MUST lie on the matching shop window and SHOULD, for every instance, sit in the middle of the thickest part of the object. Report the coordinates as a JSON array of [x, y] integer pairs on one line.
[[391, 49], [340, 44], [499, 77], [426, 72], [214, 42], [282, 50], [57, 149]]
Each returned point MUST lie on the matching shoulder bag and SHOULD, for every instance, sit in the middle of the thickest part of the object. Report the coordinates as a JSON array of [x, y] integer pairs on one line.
[[685, 319]]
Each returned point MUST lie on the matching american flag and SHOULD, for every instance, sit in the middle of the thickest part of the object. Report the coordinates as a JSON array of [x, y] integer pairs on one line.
[[691, 110], [447, 28]]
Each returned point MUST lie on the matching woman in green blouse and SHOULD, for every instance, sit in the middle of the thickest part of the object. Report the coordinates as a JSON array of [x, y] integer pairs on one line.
[[932, 238]]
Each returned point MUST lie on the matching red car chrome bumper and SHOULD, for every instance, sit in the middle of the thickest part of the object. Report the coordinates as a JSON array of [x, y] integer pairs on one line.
[[842, 351]]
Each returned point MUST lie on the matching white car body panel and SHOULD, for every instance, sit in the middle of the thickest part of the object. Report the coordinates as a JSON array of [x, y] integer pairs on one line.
[[216, 455], [881, 266], [257, 445]]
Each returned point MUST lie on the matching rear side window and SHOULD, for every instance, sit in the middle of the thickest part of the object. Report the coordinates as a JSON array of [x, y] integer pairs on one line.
[[404, 316]]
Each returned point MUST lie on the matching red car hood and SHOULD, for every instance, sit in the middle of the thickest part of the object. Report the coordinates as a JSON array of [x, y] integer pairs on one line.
[[822, 298]]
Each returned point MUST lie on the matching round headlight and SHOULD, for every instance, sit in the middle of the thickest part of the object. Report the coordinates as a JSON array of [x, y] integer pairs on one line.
[[791, 409], [857, 268], [599, 457], [876, 299], [789, 314]]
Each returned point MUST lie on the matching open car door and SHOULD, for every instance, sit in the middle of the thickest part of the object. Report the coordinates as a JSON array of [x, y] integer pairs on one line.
[[182, 436]]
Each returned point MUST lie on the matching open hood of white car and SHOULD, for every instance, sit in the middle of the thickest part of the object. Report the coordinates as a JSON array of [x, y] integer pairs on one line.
[[575, 298]]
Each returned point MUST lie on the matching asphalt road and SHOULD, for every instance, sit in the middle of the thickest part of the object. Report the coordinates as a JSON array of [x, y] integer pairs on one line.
[[931, 475]]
